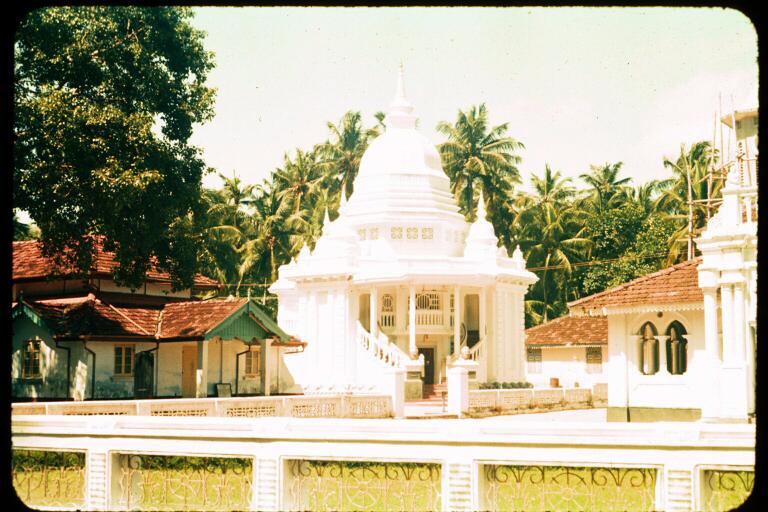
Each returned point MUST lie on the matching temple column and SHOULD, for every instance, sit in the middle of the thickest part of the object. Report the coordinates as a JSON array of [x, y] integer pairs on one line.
[[374, 312], [456, 319], [726, 297], [738, 323], [412, 322], [711, 404]]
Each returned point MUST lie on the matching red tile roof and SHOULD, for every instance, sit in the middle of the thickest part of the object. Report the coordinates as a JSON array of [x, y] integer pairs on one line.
[[73, 317], [574, 330], [678, 283], [29, 263], [188, 319]]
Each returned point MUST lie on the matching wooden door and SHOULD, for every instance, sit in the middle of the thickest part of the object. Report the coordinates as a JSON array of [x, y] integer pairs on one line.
[[143, 372], [188, 371], [429, 365]]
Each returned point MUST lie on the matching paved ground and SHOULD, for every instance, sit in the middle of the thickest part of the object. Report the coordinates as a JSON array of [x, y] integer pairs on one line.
[[586, 415]]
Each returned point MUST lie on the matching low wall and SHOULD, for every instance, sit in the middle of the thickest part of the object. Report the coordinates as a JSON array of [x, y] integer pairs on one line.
[[517, 401], [316, 406], [270, 464]]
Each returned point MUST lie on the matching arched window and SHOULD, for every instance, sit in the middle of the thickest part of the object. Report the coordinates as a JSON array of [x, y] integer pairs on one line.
[[649, 349], [677, 345], [387, 303]]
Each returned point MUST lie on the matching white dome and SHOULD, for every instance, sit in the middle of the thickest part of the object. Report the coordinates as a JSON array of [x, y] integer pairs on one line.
[[401, 175]]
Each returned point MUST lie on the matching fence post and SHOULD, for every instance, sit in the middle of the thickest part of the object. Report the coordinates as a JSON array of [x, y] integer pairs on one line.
[[396, 389], [458, 390], [97, 479]]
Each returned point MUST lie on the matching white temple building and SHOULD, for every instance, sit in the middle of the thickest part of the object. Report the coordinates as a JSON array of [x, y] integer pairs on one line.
[[401, 281]]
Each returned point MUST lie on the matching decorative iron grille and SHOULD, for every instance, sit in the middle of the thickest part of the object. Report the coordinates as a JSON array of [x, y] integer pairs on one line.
[[375, 486], [726, 489], [49, 479], [159, 482], [568, 488]]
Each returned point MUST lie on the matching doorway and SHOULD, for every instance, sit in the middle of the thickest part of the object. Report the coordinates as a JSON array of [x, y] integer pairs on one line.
[[429, 365], [144, 375], [188, 371]]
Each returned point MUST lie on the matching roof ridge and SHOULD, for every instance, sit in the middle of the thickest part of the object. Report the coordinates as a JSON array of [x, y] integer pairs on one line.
[[159, 322], [126, 317], [636, 280]]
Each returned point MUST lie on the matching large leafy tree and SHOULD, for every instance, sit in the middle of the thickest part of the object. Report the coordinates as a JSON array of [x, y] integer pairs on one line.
[[105, 99], [476, 155]]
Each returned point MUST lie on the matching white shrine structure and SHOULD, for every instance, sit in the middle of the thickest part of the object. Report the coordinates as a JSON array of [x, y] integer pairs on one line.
[[400, 281]]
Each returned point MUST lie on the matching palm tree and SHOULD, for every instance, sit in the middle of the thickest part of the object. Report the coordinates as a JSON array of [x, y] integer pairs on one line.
[[341, 155], [606, 190], [475, 154], [298, 181], [270, 247], [685, 196], [551, 230]]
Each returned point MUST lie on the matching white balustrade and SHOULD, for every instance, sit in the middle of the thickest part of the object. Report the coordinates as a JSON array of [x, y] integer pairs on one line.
[[388, 353], [387, 320], [336, 406]]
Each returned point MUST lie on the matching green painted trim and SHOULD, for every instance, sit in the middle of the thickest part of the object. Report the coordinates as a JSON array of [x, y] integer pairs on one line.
[[649, 414], [226, 322], [22, 308], [267, 321]]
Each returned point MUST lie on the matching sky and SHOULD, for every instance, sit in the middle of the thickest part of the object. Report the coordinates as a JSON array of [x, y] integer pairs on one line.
[[577, 86]]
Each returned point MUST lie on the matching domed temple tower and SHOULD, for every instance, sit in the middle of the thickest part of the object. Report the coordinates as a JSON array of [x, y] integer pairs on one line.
[[401, 280]]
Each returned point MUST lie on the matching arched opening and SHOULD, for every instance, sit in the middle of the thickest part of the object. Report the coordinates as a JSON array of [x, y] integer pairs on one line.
[[676, 349], [649, 349]]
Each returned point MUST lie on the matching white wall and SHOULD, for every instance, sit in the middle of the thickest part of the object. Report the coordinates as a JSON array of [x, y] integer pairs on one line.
[[659, 390], [569, 365]]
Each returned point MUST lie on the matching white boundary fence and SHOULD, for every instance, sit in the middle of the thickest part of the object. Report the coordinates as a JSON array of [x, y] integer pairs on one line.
[[304, 406], [678, 454]]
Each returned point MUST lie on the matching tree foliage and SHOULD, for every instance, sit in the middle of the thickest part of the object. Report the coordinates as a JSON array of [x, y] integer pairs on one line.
[[105, 100]]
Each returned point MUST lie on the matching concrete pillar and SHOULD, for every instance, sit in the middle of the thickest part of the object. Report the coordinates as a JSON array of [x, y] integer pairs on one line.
[[726, 297], [458, 390], [481, 299], [412, 350], [396, 378], [456, 318], [458, 488], [265, 488], [266, 370], [201, 381], [711, 398], [739, 349], [374, 312], [662, 339], [97, 484]]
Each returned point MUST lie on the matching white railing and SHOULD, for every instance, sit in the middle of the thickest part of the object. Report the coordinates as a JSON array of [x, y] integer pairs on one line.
[[316, 406], [381, 348], [387, 320], [429, 317]]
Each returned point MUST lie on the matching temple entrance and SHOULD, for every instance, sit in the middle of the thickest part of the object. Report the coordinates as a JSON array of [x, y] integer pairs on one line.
[[188, 371], [429, 365]]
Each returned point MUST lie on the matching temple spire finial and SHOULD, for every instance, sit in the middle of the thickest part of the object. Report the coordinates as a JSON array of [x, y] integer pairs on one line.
[[481, 207]]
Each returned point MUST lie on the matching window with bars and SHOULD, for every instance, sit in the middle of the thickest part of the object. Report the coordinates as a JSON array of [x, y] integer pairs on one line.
[[533, 357], [124, 359], [430, 301], [594, 360], [387, 303], [252, 363], [30, 367]]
